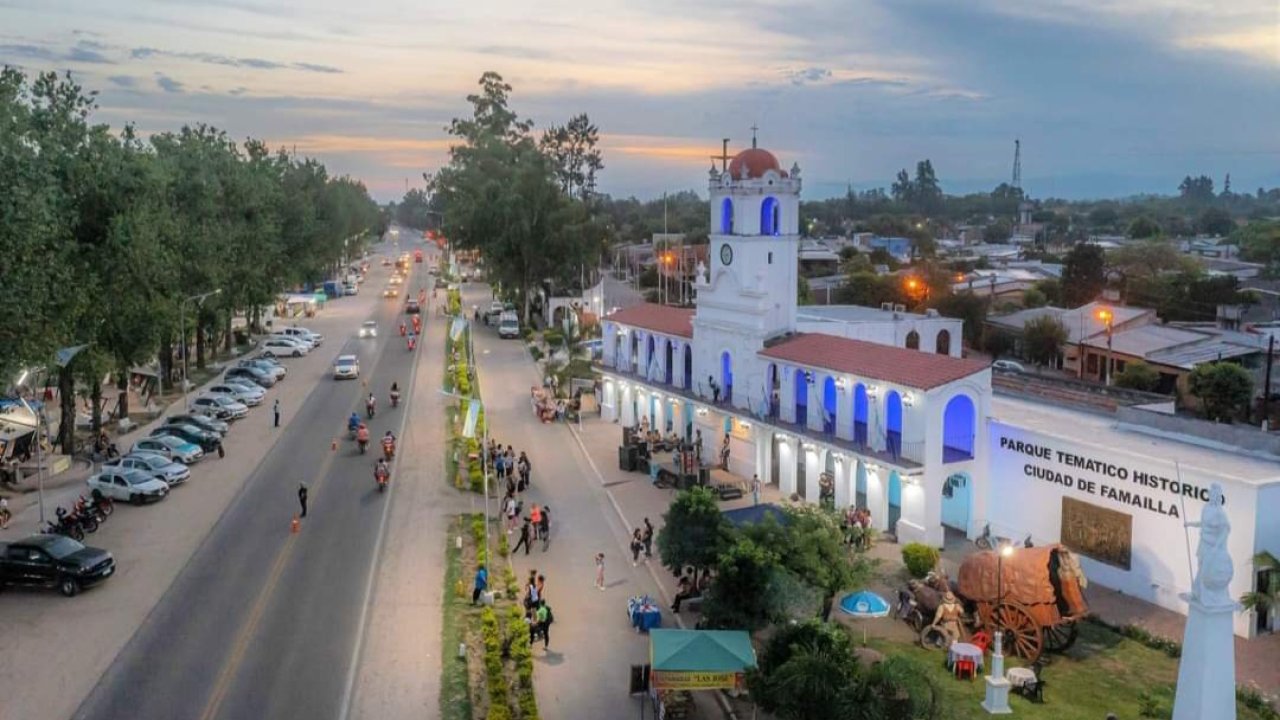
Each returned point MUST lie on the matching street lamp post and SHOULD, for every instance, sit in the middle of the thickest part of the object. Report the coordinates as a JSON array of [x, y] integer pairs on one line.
[[1106, 316], [182, 331], [484, 444]]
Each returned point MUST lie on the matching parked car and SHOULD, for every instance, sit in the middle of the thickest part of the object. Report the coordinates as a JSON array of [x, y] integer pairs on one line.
[[220, 407], [239, 393], [280, 346], [208, 441], [1008, 365], [493, 313], [350, 287], [255, 375], [174, 448], [509, 325], [202, 422], [411, 307], [276, 370], [294, 331], [160, 467], [302, 340], [136, 486], [346, 367], [369, 329], [54, 561]]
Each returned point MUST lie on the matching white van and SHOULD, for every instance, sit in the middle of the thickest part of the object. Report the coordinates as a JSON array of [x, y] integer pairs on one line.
[[508, 325], [299, 333]]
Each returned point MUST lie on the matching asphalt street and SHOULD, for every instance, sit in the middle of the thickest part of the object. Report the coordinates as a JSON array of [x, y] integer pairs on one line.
[[263, 623]]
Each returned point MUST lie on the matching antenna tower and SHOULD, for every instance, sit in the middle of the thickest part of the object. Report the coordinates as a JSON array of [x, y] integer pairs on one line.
[[1017, 164]]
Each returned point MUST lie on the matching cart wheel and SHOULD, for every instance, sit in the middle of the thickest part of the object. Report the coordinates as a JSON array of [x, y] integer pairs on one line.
[[932, 638], [1057, 638], [1022, 635]]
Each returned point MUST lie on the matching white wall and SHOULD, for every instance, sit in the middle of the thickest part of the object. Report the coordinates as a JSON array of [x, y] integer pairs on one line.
[[892, 332], [1020, 504]]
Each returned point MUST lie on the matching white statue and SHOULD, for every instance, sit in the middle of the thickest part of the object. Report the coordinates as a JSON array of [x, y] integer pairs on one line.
[[1214, 568], [700, 273]]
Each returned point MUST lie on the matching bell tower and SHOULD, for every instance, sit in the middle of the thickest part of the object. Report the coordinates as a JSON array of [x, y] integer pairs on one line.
[[746, 293]]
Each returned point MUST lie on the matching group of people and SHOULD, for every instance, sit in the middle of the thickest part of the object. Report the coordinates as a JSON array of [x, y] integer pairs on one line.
[[642, 540], [537, 613], [687, 587], [856, 525], [506, 466]]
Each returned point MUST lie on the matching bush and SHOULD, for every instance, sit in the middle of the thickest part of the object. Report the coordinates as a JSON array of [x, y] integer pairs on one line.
[[535, 352], [553, 337], [511, 585], [503, 547], [919, 559]]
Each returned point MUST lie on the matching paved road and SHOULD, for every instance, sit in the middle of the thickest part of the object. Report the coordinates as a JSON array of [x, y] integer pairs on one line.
[[262, 623]]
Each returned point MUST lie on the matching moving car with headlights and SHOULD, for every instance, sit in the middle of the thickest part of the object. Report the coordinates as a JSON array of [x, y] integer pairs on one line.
[[369, 329], [391, 292], [220, 407], [160, 467], [280, 346], [174, 448], [135, 486], [411, 307], [346, 367], [54, 561], [239, 393]]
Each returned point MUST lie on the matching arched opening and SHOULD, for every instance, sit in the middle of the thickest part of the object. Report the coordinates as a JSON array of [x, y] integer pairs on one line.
[[667, 354], [634, 357], [647, 370], [913, 340], [688, 367], [860, 485], [829, 405], [726, 376], [860, 414], [619, 350], [942, 345], [958, 425], [893, 423], [774, 390], [726, 217], [801, 390], [895, 501], [827, 484], [957, 494], [802, 469], [769, 216]]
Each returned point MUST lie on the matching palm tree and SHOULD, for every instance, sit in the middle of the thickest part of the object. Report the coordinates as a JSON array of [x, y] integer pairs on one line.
[[1266, 598]]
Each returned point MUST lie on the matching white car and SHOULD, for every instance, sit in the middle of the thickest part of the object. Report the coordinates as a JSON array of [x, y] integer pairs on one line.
[[1008, 365], [346, 367], [175, 449], [310, 336], [159, 466], [509, 325], [369, 329], [219, 406], [239, 393], [281, 346], [246, 385], [135, 486]]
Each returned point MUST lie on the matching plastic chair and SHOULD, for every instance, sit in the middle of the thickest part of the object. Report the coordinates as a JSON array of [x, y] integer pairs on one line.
[[965, 666], [981, 640]]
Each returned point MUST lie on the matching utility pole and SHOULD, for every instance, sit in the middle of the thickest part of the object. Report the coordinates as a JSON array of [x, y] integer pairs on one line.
[[1266, 385]]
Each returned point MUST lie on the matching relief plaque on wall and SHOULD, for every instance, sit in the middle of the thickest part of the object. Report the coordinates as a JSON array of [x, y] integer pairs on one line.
[[1096, 532]]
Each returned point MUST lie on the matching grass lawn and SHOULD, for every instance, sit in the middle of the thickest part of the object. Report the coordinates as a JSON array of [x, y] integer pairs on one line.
[[1103, 672]]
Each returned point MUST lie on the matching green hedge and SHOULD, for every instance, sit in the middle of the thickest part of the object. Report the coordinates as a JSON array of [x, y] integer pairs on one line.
[[919, 558]]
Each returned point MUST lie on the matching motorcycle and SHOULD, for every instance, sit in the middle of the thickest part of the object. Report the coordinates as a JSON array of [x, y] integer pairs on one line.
[[85, 509], [381, 476], [86, 520], [103, 503], [369, 408], [389, 450], [63, 527], [403, 330], [412, 343], [395, 398]]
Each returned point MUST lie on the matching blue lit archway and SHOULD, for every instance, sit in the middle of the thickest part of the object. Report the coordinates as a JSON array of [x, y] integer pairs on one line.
[[769, 216], [893, 423], [958, 426], [726, 217]]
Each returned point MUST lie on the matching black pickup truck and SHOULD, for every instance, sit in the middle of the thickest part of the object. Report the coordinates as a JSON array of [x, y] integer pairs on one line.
[[54, 561]]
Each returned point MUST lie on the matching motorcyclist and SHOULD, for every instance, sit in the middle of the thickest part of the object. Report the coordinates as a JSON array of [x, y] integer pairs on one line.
[[353, 422], [395, 394], [362, 436], [403, 330], [389, 445], [370, 405], [381, 470], [412, 340]]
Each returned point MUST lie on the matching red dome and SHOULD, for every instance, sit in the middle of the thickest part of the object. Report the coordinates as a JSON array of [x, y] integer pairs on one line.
[[757, 161]]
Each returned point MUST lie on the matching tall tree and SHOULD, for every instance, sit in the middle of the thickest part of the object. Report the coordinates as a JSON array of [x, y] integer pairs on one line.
[[1082, 274], [1224, 390], [1042, 339], [694, 532], [574, 156]]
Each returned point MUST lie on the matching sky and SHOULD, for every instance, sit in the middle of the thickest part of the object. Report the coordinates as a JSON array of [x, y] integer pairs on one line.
[[1108, 97]]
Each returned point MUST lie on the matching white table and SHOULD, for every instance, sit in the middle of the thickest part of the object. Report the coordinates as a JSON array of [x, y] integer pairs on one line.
[[967, 651], [1019, 676]]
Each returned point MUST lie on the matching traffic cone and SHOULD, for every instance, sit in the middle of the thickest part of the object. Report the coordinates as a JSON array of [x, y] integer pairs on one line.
[[334, 445], [293, 526]]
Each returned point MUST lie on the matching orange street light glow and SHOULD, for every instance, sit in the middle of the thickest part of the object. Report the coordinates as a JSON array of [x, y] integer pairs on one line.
[[1104, 315]]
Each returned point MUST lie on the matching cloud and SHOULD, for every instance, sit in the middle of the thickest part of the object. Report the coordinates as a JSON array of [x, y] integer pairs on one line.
[[85, 55], [168, 84], [312, 67], [29, 52], [124, 81], [515, 51], [807, 75], [142, 53]]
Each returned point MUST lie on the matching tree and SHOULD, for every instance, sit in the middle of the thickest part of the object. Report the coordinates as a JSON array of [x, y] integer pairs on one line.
[[1224, 389], [1197, 189], [1267, 596], [1082, 275], [1034, 298], [1143, 227], [694, 532], [809, 543], [804, 295], [997, 343], [1259, 241], [968, 307], [748, 589], [1138, 376], [998, 231], [1103, 218], [1215, 221], [574, 155], [1052, 291], [1146, 259], [903, 190], [1042, 339]]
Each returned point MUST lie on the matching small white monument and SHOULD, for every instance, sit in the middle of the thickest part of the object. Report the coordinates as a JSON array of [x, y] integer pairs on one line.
[[1207, 670], [996, 701]]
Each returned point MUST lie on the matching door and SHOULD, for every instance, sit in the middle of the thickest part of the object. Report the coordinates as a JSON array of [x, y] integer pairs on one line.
[[119, 488], [801, 475], [775, 468], [1264, 581], [22, 570]]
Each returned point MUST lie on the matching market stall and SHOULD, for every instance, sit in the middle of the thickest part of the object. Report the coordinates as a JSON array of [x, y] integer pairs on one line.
[[685, 660]]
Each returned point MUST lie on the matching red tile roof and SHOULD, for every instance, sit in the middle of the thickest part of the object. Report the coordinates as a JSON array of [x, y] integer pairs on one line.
[[658, 318], [910, 368]]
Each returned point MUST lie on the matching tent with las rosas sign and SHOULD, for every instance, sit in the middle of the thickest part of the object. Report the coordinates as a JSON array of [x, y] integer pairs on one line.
[[699, 659]]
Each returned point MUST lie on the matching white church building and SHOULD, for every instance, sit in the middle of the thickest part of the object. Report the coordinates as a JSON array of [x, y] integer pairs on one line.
[[877, 408]]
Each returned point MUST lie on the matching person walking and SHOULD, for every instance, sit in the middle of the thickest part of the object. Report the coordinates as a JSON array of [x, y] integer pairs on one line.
[[647, 538], [600, 571], [541, 585], [535, 519], [523, 466], [724, 453], [275, 411], [544, 619], [302, 498], [481, 584], [222, 451], [512, 512], [509, 461], [755, 489], [545, 530], [531, 591], [524, 538], [637, 544]]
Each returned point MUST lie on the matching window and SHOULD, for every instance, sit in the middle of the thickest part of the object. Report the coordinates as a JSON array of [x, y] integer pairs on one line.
[[913, 340], [726, 217], [770, 258], [769, 216], [1091, 364], [942, 345]]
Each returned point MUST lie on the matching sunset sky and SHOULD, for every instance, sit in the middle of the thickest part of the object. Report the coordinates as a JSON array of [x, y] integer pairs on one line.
[[1109, 97]]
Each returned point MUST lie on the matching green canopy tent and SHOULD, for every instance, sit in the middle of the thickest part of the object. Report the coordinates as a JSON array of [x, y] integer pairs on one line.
[[699, 659]]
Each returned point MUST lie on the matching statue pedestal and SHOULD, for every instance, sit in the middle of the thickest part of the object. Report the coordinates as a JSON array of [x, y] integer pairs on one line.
[[997, 700], [1207, 670]]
